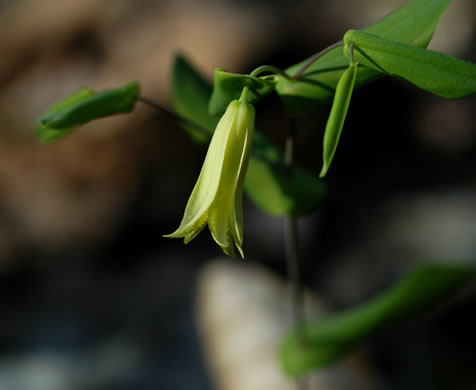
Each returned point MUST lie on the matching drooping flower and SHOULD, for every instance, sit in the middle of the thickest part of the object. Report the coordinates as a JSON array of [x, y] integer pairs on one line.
[[217, 196]]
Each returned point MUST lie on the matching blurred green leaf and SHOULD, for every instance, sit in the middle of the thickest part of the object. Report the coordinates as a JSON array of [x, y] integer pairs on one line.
[[48, 134], [443, 75], [190, 96], [337, 116], [413, 24], [228, 87], [84, 106], [277, 189], [76, 97], [330, 338], [269, 184]]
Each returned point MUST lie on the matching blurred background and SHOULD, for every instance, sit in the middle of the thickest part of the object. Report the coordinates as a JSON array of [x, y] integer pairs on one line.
[[92, 296]]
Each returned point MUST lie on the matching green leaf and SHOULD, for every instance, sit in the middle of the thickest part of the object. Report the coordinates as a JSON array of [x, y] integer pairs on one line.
[[413, 24], [190, 96], [84, 106], [443, 75], [269, 184], [76, 97], [277, 189], [47, 134], [228, 87], [331, 337], [337, 116]]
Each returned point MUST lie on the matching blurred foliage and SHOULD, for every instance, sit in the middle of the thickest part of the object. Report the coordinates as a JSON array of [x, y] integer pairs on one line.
[[320, 342]]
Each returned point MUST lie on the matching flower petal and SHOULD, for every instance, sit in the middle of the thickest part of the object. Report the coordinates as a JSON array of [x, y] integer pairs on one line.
[[206, 187], [236, 215], [217, 195], [218, 222], [199, 226], [222, 215]]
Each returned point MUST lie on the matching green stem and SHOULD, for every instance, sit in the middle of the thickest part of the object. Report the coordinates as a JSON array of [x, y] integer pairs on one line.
[[291, 234], [244, 95], [269, 69], [292, 252], [292, 259], [315, 57], [351, 54], [173, 115]]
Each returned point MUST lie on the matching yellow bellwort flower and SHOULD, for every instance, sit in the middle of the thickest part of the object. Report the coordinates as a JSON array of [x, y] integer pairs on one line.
[[217, 196]]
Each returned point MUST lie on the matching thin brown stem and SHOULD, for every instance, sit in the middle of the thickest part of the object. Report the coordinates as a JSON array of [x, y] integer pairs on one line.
[[269, 69], [173, 115], [292, 252], [315, 57]]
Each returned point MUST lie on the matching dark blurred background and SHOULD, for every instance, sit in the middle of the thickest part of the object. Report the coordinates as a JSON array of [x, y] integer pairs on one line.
[[92, 296]]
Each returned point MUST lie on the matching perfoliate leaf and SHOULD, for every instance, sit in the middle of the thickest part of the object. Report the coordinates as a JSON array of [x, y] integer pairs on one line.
[[269, 184], [330, 338], [84, 106], [443, 75], [413, 24], [228, 87], [337, 116]]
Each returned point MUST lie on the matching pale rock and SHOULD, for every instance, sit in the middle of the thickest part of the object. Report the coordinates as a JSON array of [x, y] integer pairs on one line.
[[243, 312]]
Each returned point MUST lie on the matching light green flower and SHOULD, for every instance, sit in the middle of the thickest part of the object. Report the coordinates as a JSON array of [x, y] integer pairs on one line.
[[216, 198]]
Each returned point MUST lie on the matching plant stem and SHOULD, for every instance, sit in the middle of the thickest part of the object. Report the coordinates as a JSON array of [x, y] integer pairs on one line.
[[173, 115], [291, 235], [315, 57], [351, 54], [244, 95], [292, 251], [292, 259], [270, 69]]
